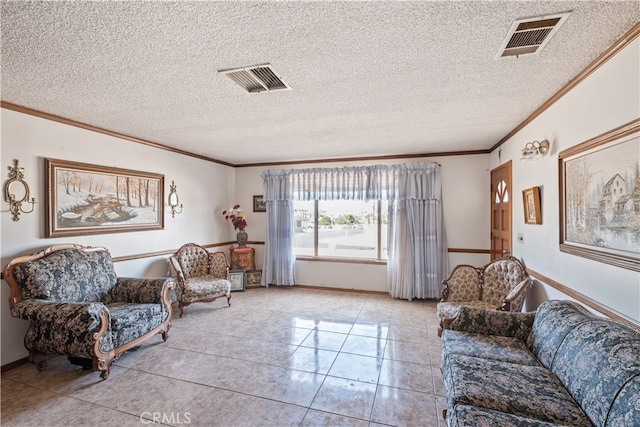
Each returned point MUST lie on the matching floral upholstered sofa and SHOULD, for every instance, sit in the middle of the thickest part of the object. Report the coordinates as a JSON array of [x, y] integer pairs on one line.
[[559, 365], [77, 307]]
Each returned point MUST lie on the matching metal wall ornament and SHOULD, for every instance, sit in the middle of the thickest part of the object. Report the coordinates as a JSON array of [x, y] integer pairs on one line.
[[173, 201], [17, 183]]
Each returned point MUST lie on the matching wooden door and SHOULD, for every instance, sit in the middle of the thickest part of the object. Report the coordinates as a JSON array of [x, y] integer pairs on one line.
[[501, 197]]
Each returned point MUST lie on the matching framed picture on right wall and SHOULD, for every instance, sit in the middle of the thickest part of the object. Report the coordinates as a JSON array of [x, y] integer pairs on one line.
[[531, 201], [600, 197]]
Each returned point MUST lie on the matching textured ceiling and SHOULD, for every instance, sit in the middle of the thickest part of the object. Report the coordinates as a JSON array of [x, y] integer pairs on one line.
[[368, 78]]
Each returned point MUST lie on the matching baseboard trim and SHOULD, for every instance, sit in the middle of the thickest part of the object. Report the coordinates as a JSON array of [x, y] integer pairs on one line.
[[14, 364]]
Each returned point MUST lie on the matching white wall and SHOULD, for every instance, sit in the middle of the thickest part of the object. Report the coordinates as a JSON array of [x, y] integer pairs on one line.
[[466, 211], [608, 98], [204, 189]]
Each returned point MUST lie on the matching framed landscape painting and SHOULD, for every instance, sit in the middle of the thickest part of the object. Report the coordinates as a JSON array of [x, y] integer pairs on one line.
[[600, 198], [88, 199]]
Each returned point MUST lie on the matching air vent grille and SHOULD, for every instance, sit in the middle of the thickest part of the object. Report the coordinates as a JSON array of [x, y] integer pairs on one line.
[[530, 36], [257, 78]]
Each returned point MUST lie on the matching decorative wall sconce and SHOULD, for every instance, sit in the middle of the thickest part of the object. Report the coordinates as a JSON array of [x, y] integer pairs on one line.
[[534, 150], [174, 203], [16, 180]]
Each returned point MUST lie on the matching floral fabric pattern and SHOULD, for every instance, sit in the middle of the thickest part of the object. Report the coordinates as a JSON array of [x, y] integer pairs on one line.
[[473, 416], [563, 365], [527, 391], [463, 284], [201, 275], [592, 347], [67, 275], [499, 278], [492, 322], [502, 285], [506, 349], [67, 293]]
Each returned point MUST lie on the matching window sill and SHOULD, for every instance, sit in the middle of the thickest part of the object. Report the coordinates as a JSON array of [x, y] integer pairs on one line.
[[341, 260]]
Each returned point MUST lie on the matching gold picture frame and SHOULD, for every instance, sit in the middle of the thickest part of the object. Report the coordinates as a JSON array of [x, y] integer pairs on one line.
[[531, 202], [85, 199]]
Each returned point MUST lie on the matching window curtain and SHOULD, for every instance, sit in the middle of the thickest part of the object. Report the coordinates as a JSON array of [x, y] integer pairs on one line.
[[417, 262], [279, 258]]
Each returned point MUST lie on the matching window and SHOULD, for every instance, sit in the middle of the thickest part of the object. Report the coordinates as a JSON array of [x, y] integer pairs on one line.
[[341, 228]]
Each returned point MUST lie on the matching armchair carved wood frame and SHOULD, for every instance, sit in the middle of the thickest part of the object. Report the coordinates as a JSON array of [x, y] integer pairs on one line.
[[201, 276], [77, 306], [500, 285]]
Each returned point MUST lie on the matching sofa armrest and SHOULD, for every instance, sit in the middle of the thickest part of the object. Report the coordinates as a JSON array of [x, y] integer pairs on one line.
[[491, 322], [141, 291], [81, 329], [86, 314]]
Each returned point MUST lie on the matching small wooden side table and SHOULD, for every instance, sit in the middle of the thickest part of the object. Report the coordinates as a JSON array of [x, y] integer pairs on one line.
[[243, 259]]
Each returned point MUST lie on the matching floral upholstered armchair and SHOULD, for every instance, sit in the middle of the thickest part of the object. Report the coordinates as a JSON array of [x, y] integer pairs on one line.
[[77, 306], [501, 285], [202, 276]]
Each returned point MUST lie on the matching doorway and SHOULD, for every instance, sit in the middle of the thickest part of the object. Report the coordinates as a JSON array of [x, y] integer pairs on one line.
[[501, 197]]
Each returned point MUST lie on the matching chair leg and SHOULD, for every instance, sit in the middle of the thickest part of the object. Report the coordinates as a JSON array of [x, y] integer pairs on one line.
[[229, 301], [181, 309]]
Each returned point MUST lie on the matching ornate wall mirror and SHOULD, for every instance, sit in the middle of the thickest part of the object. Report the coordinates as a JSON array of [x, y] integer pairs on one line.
[[16, 191], [173, 201]]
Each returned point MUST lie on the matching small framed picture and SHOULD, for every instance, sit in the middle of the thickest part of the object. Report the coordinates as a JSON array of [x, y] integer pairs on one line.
[[238, 279], [531, 201], [254, 278], [259, 205]]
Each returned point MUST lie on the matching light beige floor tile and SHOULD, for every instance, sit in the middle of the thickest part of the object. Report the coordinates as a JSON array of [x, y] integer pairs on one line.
[[213, 407], [324, 419], [324, 340], [365, 346], [378, 330], [395, 406], [137, 392], [289, 385], [408, 351], [284, 356], [263, 412], [407, 375], [345, 397], [356, 367], [311, 360]]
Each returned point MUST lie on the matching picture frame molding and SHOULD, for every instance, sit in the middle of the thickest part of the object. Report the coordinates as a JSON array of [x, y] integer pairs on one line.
[[259, 204], [53, 227], [596, 253], [532, 194], [238, 279]]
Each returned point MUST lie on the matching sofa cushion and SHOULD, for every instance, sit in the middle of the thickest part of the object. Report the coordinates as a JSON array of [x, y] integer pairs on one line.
[[67, 275], [625, 410], [474, 416], [495, 347], [522, 390], [554, 319], [130, 321], [204, 287], [607, 356]]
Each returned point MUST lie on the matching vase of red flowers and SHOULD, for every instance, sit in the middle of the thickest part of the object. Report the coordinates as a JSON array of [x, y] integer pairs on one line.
[[236, 216]]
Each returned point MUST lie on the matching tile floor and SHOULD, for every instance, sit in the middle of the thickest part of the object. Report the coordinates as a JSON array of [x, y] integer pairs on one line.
[[276, 357]]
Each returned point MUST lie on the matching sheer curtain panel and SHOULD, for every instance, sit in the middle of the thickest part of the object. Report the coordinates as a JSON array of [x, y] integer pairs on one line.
[[279, 258]]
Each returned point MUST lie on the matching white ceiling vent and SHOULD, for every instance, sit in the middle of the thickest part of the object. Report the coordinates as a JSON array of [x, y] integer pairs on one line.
[[257, 78], [530, 35]]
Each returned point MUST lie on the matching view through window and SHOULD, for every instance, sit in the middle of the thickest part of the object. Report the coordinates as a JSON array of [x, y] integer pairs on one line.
[[345, 228]]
